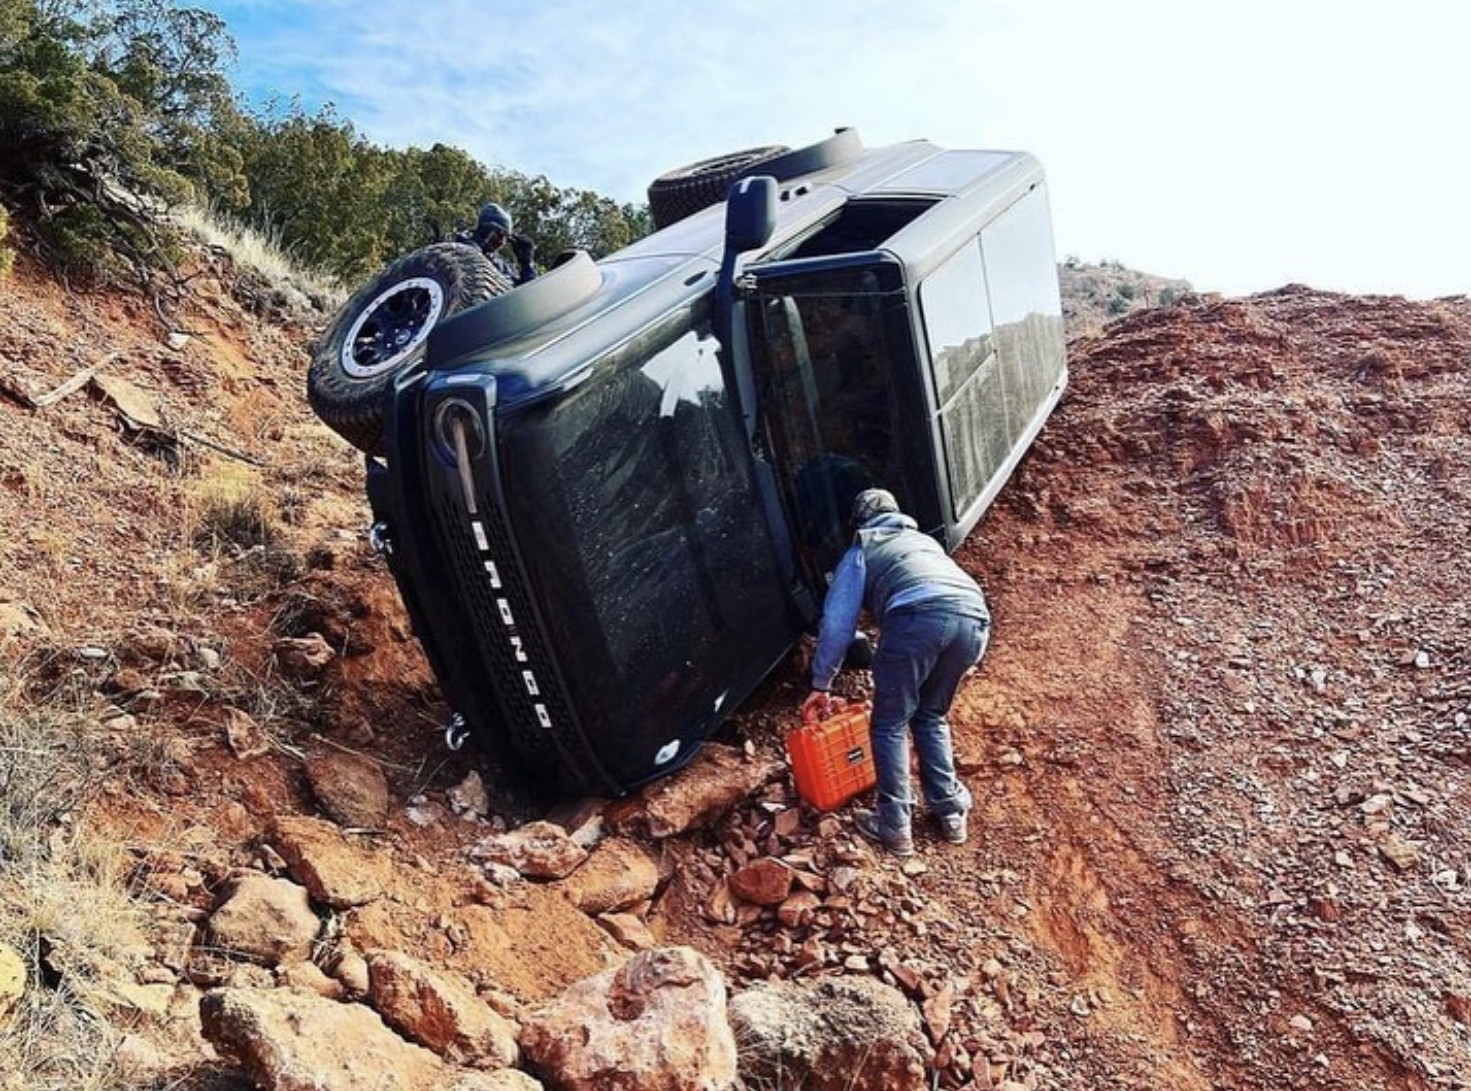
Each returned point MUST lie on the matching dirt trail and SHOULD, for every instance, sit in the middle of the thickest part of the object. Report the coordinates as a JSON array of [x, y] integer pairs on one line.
[[1220, 742]]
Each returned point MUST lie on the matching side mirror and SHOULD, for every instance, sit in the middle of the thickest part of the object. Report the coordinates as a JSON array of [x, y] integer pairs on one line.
[[750, 221], [750, 214]]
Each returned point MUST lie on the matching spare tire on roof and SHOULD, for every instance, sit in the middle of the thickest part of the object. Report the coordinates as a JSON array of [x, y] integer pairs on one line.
[[685, 190]]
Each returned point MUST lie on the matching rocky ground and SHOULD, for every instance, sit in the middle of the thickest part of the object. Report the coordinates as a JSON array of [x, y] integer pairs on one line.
[[1220, 746]]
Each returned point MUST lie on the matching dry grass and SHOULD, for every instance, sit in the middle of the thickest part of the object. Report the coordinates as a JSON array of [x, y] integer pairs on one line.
[[7, 255], [65, 904], [232, 517], [251, 250]]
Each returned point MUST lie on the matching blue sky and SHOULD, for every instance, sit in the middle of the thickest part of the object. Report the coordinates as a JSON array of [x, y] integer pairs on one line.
[[1241, 145]]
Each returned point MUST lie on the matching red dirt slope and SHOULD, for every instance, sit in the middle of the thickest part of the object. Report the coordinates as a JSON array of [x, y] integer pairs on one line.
[[1232, 593], [1220, 743]]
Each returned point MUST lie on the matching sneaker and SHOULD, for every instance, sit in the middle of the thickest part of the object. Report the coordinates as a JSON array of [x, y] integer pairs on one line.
[[867, 823], [952, 828]]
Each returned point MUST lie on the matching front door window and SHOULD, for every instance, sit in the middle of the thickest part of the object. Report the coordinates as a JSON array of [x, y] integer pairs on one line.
[[837, 391]]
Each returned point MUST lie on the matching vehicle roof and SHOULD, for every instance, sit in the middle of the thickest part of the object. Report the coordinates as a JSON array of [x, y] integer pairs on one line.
[[667, 270]]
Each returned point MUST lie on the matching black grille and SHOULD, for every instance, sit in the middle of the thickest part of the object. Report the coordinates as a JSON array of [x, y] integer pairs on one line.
[[535, 732]]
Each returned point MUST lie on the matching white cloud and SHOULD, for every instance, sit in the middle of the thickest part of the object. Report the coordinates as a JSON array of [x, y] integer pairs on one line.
[[1241, 145]]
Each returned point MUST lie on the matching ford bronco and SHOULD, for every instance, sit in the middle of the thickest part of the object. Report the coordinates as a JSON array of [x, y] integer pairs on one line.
[[610, 497]]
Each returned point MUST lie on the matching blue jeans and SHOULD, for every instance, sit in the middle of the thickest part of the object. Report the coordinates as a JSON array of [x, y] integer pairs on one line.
[[921, 658]]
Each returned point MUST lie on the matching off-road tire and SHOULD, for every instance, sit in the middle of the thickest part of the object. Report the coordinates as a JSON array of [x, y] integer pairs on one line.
[[686, 190], [383, 330]]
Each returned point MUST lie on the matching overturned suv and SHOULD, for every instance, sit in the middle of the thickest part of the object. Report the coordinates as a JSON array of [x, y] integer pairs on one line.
[[611, 496]]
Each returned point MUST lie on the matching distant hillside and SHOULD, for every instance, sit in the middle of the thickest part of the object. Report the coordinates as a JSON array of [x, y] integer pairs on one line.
[[1093, 295]]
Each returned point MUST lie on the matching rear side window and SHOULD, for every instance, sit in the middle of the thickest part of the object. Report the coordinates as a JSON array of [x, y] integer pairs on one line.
[[966, 374], [993, 321], [1021, 279]]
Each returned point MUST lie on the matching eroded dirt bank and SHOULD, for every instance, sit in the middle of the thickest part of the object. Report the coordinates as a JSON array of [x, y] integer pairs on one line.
[[1231, 588]]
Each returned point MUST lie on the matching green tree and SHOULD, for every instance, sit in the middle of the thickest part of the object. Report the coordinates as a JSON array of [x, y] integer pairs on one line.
[[319, 190], [561, 219], [172, 61], [111, 111], [96, 123], [429, 194], [339, 203]]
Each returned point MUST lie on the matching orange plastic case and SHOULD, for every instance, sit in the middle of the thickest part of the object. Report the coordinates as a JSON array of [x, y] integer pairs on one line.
[[831, 759]]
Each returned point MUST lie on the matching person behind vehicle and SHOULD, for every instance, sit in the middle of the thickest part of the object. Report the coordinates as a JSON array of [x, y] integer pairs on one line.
[[934, 626], [492, 230]]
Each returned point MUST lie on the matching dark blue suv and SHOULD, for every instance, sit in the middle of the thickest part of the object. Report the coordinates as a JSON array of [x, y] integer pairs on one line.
[[611, 496]]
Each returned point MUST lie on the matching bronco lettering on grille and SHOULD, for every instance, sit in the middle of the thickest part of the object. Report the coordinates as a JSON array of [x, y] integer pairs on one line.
[[517, 644]]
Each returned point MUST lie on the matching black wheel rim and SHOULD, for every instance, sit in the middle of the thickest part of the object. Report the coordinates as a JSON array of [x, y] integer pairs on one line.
[[392, 327]]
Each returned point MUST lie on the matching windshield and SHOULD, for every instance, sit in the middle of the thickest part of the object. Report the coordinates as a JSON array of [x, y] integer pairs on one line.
[[836, 384], [633, 506]]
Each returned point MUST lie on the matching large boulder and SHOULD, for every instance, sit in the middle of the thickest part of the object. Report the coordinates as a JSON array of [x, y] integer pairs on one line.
[[657, 1023], [440, 1011], [295, 1041], [837, 1034]]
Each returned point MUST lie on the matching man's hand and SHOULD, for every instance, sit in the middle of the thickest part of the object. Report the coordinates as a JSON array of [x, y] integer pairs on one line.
[[818, 704], [524, 249]]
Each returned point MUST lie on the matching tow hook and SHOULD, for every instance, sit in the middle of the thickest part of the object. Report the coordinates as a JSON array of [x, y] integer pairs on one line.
[[380, 539], [456, 732]]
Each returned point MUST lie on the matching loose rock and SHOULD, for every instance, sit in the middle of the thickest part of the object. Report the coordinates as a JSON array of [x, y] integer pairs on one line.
[[629, 931], [351, 788], [716, 781], [658, 1023], [303, 658], [538, 850], [764, 882], [839, 1034], [269, 920], [334, 871], [440, 1011], [1399, 852], [244, 736], [617, 874], [469, 798], [296, 1041]]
